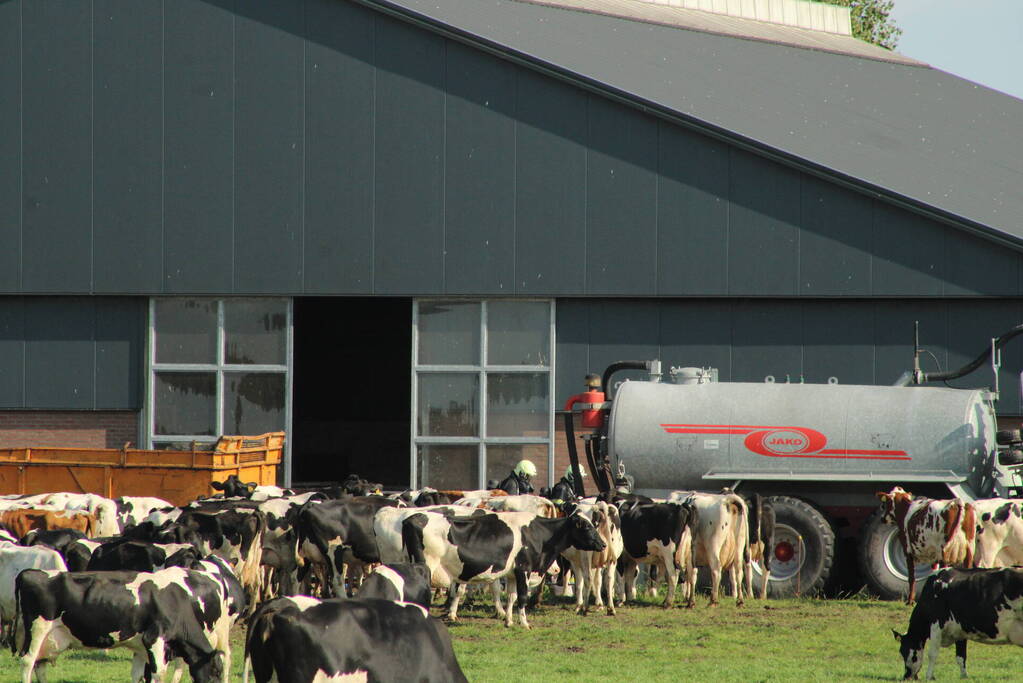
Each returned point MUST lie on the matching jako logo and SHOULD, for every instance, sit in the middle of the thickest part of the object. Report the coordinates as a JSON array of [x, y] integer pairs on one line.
[[791, 441]]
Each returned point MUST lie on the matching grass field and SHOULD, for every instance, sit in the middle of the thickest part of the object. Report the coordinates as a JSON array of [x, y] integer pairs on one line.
[[780, 640]]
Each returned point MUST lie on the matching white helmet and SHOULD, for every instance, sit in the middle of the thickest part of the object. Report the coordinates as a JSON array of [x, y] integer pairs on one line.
[[525, 468], [568, 472]]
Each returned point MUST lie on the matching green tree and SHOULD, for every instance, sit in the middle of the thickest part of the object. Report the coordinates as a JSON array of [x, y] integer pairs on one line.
[[871, 21]]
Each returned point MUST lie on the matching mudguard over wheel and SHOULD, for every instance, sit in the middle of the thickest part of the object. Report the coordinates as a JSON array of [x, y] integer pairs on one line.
[[882, 562], [804, 548]]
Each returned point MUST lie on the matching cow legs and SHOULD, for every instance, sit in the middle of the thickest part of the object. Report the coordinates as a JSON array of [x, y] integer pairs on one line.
[[715, 579], [671, 575], [40, 631], [456, 596], [609, 585], [933, 646], [911, 569], [521, 589], [495, 589], [961, 657], [629, 579], [735, 571]]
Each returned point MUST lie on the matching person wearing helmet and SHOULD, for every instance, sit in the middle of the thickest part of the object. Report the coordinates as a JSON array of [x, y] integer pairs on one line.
[[564, 490], [518, 480]]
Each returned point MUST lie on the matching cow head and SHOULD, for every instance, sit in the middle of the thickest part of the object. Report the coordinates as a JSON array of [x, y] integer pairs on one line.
[[891, 500], [583, 534], [233, 487], [207, 667], [912, 654]]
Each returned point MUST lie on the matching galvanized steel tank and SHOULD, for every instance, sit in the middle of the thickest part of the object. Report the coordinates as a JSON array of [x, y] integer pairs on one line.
[[702, 436]]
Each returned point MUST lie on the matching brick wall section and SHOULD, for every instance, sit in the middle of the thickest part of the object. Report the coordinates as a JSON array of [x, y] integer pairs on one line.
[[76, 429]]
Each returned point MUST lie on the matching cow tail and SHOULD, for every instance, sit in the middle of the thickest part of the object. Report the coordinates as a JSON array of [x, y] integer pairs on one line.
[[742, 528], [253, 575], [412, 538], [17, 617]]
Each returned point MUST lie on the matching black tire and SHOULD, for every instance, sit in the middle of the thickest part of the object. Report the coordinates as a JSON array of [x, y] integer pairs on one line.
[[1006, 437], [877, 539], [809, 576]]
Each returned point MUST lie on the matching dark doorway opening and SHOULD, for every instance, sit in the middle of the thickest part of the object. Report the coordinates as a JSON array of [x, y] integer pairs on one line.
[[352, 373]]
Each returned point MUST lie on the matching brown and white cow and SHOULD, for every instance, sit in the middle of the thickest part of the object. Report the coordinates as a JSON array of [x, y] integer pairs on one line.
[[930, 531], [596, 569], [720, 540], [23, 520]]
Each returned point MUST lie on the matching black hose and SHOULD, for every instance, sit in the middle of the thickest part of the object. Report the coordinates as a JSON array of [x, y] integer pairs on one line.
[[605, 381], [999, 342], [573, 455]]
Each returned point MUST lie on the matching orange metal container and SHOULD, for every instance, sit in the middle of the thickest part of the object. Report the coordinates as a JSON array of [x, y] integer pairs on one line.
[[176, 476]]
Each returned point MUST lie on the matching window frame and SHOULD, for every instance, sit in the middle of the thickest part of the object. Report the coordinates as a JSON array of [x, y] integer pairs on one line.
[[481, 370], [219, 368]]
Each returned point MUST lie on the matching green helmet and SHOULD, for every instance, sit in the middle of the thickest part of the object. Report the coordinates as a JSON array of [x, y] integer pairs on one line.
[[568, 472], [525, 469]]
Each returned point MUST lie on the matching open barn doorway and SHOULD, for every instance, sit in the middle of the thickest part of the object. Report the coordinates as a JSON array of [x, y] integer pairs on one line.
[[350, 406]]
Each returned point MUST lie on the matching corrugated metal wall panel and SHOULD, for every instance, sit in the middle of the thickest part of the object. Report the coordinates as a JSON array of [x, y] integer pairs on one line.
[[10, 146], [57, 146], [268, 146], [408, 254], [763, 227], [128, 139], [60, 353], [550, 187], [621, 200], [975, 267], [835, 241], [838, 341], [858, 341], [692, 213], [198, 147], [72, 353], [339, 172], [120, 342], [479, 188], [12, 352], [908, 254]]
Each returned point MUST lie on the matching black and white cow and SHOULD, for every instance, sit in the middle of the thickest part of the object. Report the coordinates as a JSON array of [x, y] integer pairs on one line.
[[15, 559], [957, 605], [493, 546], [400, 582], [140, 556], [304, 640], [132, 510], [656, 534], [339, 534], [57, 539], [761, 540], [159, 616]]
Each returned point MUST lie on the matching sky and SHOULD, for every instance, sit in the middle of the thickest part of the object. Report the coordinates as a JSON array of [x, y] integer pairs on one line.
[[979, 40]]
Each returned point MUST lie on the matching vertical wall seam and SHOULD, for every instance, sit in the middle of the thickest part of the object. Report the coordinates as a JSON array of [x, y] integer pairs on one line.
[[444, 171], [234, 149], [799, 234], [586, 198], [92, 164], [728, 230], [301, 189], [657, 212], [162, 286], [515, 183], [373, 170], [21, 160]]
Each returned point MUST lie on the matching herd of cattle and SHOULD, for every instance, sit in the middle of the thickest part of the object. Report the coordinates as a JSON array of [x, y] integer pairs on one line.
[[331, 583]]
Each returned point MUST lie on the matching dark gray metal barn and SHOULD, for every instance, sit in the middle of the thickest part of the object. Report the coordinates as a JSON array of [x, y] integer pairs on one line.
[[221, 216]]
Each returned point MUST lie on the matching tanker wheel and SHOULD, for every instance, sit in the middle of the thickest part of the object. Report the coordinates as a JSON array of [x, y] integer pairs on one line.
[[882, 562], [803, 552]]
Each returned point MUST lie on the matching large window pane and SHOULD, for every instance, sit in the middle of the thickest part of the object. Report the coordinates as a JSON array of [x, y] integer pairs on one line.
[[186, 330], [447, 467], [253, 402], [448, 404], [517, 404], [449, 333], [255, 331], [185, 403], [502, 459], [518, 333]]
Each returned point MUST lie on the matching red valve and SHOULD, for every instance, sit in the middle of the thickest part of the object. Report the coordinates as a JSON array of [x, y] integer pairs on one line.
[[592, 401]]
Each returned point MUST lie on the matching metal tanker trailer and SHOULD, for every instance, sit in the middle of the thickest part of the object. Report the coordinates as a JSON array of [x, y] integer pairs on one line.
[[818, 452], [694, 436]]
